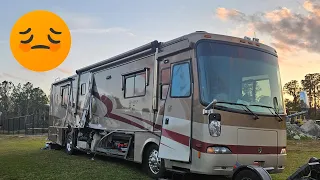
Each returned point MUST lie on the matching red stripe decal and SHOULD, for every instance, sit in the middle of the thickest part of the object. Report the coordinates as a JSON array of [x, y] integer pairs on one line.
[[157, 126], [182, 139], [236, 149], [122, 119], [106, 101]]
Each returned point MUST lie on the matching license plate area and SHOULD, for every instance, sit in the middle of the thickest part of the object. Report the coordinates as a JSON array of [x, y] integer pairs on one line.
[[259, 163]]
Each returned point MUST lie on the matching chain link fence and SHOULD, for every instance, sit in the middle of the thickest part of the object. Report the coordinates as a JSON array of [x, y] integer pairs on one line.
[[32, 124]]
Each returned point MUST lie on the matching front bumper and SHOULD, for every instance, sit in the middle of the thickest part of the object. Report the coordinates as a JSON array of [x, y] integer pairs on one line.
[[224, 164]]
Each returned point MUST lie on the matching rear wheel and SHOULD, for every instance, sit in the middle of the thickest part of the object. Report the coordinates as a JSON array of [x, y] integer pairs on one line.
[[70, 143], [152, 164], [247, 175]]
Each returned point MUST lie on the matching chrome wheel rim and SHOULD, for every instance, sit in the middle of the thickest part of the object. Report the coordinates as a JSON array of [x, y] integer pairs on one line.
[[69, 144], [154, 162]]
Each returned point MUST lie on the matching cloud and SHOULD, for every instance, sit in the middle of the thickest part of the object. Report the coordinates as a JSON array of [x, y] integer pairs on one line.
[[89, 24], [64, 70], [14, 77], [80, 21], [103, 30], [290, 31], [312, 6], [226, 14]]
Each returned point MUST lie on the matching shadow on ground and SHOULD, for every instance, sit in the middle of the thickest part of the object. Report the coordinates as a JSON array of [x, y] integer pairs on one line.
[[137, 167]]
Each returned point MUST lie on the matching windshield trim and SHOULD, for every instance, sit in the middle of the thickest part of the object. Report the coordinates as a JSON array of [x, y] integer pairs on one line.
[[227, 109]]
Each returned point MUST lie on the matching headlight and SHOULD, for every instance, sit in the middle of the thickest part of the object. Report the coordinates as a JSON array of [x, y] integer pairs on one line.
[[215, 128], [218, 150]]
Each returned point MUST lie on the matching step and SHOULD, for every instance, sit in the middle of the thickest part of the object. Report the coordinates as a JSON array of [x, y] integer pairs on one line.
[[111, 151]]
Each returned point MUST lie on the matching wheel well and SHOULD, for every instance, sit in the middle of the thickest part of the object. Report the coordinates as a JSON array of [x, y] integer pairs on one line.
[[145, 149], [245, 168]]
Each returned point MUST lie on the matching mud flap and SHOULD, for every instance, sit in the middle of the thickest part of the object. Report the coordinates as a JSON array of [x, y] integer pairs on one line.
[[260, 171]]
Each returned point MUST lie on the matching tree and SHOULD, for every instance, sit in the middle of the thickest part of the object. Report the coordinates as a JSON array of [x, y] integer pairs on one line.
[[5, 99], [20, 100], [310, 84], [289, 104], [293, 88], [16, 98]]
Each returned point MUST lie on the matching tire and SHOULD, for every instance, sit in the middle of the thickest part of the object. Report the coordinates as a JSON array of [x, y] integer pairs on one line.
[[70, 143], [149, 160], [247, 175]]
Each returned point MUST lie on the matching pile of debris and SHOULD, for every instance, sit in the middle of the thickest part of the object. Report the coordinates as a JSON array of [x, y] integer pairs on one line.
[[309, 130]]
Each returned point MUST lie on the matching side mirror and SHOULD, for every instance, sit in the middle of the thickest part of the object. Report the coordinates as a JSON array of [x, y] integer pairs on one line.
[[304, 100]]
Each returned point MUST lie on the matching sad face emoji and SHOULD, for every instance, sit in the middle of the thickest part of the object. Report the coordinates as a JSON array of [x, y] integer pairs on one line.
[[40, 41]]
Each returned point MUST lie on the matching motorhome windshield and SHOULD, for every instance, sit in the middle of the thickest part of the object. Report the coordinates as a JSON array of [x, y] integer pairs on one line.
[[238, 74]]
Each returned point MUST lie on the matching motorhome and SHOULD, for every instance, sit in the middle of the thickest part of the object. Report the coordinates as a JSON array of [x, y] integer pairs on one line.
[[200, 103]]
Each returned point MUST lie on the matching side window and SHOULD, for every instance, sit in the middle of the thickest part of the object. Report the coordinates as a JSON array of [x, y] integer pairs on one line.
[[164, 81], [64, 95], [181, 82], [135, 85], [83, 89]]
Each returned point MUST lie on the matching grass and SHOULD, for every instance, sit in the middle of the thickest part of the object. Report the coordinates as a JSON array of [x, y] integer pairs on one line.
[[299, 153], [21, 158]]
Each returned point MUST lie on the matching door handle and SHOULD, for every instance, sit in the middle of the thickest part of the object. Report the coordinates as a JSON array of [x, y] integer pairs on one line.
[[167, 121]]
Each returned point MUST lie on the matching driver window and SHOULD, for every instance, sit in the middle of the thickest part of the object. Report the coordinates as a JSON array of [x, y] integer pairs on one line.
[[256, 91], [181, 81], [264, 96]]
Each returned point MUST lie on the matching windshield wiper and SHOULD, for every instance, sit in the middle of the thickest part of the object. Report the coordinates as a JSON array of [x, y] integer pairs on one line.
[[269, 110], [255, 117]]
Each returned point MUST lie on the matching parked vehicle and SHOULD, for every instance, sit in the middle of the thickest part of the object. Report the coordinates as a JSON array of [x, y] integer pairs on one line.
[[201, 103]]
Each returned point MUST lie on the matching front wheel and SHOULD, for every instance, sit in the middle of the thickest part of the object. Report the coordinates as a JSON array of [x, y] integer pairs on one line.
[[247, 175], [153, 165]]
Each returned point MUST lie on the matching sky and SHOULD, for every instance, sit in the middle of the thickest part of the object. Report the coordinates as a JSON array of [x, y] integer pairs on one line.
[[102, 29]]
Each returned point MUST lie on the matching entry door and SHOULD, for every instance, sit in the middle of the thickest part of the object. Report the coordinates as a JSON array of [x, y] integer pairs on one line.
[[87, 100], [176, 125]]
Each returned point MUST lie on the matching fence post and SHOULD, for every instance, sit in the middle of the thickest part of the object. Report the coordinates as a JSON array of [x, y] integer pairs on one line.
[[2, 119], [33, 124], [8, 126], [25, 124], [12, 125], [19, 125]]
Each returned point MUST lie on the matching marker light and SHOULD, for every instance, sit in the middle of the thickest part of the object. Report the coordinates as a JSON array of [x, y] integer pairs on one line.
[[283, 151], [218, 150]]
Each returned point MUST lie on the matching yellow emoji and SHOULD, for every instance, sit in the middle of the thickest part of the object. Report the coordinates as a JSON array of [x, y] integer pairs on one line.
[[40, 40]]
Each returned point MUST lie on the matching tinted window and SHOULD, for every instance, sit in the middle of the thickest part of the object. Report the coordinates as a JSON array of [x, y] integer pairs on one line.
[[165, 76], [129, 91], [139, 85], [181, 83], [238, 74], [64, 98], [164, 91], [83, 89], [135, 85]]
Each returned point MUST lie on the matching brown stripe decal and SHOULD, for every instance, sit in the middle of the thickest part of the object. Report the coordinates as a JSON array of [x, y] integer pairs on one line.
[[236, 149], [157, 126]]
